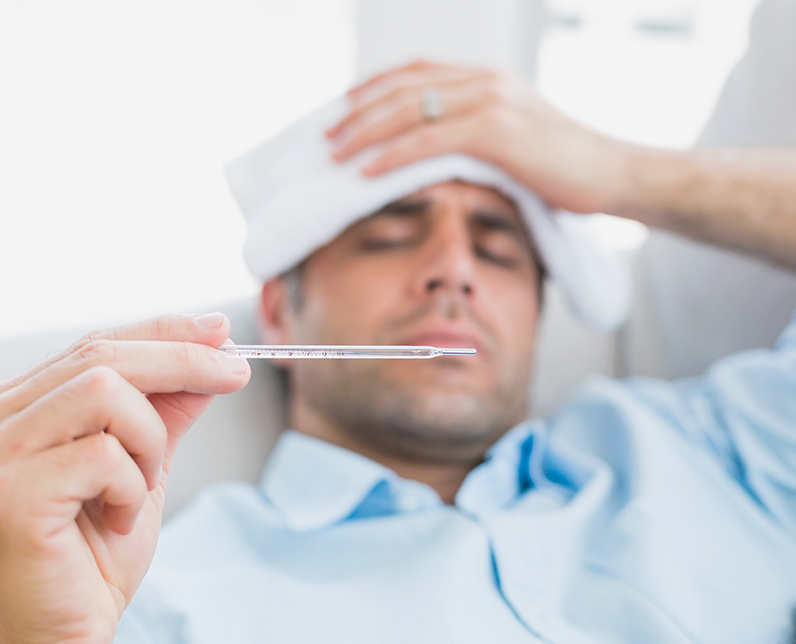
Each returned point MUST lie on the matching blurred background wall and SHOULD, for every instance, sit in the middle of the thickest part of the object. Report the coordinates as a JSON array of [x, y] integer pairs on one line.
[[116, 118]]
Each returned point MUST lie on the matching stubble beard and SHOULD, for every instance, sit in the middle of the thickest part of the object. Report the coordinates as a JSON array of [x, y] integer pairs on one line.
[[409, 420]]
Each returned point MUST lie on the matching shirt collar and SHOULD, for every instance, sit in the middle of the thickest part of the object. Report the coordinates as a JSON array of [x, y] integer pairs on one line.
[[512, 466], [314, 483]]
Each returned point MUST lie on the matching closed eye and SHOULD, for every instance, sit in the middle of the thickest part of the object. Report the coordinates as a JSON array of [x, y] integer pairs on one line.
[[504, 260], [391, 231], [499, 240], [375, 244]]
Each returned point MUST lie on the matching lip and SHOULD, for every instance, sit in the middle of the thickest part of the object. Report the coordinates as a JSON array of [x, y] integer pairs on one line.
[[444, 338]]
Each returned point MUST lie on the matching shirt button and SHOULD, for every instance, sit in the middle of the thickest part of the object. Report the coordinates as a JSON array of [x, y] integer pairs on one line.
[[408, 503]]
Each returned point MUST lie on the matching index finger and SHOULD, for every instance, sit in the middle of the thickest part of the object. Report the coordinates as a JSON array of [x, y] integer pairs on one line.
[[150, 366], [202, 328], [414, 66], [210, 329], [415, 69], [416, 75]]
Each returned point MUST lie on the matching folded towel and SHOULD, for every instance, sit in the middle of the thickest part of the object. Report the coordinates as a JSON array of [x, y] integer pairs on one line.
[[295, 198]]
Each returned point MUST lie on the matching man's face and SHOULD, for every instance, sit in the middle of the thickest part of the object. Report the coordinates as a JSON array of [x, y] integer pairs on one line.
[[448, 266]]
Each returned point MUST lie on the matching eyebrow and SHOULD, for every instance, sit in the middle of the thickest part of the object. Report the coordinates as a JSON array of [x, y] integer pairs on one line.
[[499, 221], [405, 207]]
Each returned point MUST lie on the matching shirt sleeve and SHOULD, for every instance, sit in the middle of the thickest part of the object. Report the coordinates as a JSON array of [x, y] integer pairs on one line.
[[130, 630], [746, 408], [148, 620]]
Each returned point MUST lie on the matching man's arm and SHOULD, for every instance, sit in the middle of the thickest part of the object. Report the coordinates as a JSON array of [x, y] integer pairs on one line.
[[743, 199], [749, 400], [739, 198]]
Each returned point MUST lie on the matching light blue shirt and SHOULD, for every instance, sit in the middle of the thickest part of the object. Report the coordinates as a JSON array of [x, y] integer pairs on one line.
[[643, 511]]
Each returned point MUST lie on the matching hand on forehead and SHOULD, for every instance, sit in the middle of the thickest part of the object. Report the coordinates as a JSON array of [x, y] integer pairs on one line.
[[297, 199]]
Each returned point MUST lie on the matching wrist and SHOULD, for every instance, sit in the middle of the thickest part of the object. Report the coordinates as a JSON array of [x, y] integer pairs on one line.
[[645, 180], [616, 180]]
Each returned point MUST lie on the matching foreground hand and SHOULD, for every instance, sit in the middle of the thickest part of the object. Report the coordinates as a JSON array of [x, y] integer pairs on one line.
[[86, 444], [492, 115]]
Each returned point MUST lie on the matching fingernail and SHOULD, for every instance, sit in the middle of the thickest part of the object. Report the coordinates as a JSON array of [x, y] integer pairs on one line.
[[235, 364], [160, 476], [209, 321]]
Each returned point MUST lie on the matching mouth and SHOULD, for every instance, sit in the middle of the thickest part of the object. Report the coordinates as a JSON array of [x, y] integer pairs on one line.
[[444, 339]]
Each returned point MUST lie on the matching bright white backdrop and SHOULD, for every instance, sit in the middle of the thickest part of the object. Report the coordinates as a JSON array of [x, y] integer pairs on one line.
[[115, 121], [116, 118]]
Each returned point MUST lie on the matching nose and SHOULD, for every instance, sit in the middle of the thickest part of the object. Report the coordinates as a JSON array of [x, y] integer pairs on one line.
[[448, 263], [435, 284]]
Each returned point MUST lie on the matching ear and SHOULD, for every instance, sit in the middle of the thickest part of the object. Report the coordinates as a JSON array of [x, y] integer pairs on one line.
[[275, 312]]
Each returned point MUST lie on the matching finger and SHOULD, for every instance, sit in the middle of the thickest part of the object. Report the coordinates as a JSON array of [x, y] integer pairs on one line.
[[51, 486], [401, 110], [417, 72], [204, 328], [421, 143], [399, 82], [151, 367], [95, 401], [210, 329], [414, 66]]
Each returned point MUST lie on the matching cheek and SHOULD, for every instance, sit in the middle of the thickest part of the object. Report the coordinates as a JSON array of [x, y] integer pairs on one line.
[[514, 309], [346, 305]]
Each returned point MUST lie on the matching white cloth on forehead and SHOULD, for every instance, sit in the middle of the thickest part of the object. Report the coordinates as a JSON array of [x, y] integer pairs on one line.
[[295, 198]]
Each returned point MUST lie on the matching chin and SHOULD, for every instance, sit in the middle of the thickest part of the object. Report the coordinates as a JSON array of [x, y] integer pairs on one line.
[[443, 379], [449, 401], [449, 414], [443, 422]]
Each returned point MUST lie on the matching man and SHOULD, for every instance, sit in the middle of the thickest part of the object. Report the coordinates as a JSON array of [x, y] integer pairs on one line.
[[412, 503]]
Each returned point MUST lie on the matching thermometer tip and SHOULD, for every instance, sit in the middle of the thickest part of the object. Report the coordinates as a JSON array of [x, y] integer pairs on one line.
[[458, 352]]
